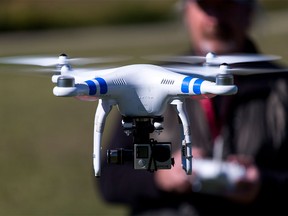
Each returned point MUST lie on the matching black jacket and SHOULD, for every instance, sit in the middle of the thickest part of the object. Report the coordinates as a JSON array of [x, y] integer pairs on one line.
[[254, 122]]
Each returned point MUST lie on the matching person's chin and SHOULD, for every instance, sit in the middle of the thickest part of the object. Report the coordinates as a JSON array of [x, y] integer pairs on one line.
[[218, 47]]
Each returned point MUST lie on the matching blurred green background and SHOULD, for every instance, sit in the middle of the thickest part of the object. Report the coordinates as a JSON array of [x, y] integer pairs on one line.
[[45, 141]]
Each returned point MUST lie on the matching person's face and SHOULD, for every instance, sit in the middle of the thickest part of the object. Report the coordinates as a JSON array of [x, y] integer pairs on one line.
[[218, 26]]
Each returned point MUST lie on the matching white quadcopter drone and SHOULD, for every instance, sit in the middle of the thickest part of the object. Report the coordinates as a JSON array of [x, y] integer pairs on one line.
[[142, 92]]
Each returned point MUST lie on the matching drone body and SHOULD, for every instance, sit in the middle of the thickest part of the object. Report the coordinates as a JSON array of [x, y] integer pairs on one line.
[[139, 91], [142, 92]]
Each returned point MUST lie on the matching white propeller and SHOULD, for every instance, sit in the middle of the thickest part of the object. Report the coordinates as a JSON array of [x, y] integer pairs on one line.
[[179, 59], [62, 59], [212, 71], [213, 59]]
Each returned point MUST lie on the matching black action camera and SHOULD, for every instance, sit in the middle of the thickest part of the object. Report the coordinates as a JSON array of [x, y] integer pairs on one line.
[[152, 156], [149, 156], [146, 153]]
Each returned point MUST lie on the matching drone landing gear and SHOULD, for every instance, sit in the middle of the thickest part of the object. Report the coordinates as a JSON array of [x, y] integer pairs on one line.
[[186, 149], [148, 153], [103, 109]]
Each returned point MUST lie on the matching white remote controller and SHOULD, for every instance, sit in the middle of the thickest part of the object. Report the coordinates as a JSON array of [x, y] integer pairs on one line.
[[215, 175]]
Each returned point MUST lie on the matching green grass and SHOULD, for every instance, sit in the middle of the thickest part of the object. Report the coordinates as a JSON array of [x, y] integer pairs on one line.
[[45, 141], [42, 14]]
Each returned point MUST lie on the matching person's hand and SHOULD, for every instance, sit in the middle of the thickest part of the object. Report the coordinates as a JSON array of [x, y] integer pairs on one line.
[[176, 179], [246, 188]]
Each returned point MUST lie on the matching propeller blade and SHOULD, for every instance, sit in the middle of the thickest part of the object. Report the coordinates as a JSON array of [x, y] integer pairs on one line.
[[210, 72], [198, 71], [52, 61], [245, 58], [98, 60], [30, 60], [213, 59], [184, 59], [75, 71], [251, 71]]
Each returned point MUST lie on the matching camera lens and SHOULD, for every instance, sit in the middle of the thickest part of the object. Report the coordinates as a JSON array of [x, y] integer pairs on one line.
[[119, 156], [162, 153], [112, 156]]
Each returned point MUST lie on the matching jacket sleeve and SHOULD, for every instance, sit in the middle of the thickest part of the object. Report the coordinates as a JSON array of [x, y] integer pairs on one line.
[[263, 133], [275, 172]]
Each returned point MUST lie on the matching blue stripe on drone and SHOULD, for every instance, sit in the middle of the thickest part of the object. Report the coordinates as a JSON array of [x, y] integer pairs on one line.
[[185, 84], [197, 85], [92, 87], [103, 85]]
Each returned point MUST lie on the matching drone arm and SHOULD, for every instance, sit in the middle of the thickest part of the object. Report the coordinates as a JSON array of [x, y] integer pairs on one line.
[[186, 143], [103, 109], [218, 89]]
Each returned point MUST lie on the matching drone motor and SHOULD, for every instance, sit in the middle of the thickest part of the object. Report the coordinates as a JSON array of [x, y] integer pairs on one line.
[[224, 78], [66, 81]]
